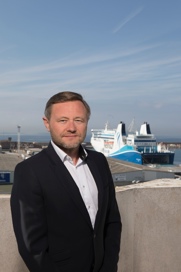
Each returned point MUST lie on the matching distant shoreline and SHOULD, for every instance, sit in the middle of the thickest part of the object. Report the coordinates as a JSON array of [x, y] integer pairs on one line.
[[5, 144], [46, 138]]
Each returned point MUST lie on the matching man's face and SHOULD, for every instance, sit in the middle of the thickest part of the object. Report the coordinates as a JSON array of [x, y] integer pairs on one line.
[[67, 124]]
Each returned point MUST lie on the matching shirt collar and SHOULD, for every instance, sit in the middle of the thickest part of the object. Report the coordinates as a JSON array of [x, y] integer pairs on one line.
[[63, 156]]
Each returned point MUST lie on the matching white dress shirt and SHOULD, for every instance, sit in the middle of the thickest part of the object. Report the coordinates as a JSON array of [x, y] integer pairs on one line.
[[84, 181]]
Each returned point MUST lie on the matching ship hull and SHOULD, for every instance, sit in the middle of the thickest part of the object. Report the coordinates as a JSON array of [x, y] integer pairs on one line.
[[131, 156]]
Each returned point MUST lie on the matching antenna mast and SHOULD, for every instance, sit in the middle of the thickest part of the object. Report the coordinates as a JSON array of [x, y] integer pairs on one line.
[[131, 126]]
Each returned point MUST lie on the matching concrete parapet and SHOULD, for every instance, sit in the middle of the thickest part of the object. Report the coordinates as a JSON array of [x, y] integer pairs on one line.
[[151, 217], [10, 260], [151, 240]]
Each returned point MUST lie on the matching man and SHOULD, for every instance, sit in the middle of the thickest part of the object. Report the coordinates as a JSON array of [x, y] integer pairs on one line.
[[64, 211]]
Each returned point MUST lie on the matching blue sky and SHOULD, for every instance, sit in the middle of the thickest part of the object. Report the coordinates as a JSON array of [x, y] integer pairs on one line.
[[123, 56]]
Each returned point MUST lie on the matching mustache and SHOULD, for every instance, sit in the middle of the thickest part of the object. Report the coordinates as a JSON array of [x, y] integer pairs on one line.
[[71, 133]]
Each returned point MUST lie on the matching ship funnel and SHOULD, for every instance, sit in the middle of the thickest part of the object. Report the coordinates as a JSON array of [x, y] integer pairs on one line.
[[119, 136], [123, 128], [145, 129]]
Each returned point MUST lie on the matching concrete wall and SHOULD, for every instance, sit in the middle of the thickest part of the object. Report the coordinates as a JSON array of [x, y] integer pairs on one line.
[[151, 217], [10, 261], [151, 236]]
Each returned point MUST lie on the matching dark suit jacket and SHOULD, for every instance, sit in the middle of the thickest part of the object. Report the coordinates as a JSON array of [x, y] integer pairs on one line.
[[51, 223]]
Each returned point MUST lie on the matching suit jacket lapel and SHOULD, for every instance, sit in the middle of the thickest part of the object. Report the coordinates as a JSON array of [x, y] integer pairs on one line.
[[66, 181]]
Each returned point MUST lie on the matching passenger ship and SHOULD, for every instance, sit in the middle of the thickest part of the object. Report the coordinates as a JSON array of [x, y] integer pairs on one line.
[[139, 148]]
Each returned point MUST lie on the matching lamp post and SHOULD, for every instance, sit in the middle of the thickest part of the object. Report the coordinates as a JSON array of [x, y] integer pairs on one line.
[[9, 139], [18, 143]]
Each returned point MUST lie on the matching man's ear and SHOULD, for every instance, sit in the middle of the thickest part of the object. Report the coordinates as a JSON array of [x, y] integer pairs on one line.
[[46, 123]]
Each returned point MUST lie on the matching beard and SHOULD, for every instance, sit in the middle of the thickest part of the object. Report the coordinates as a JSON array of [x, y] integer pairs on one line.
[[65, 145], [68, 146]]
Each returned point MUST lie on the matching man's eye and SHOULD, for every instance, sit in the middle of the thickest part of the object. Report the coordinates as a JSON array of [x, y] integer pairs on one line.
[[79, 120]]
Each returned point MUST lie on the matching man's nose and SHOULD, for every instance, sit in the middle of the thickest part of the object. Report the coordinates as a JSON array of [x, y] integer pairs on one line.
[[71, 126]]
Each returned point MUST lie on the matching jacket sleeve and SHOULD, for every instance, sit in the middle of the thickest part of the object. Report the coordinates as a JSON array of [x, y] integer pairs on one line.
[[29, 220]]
